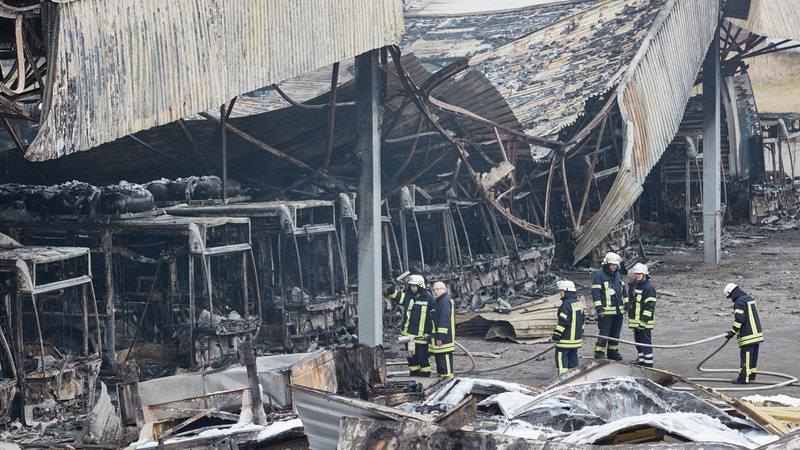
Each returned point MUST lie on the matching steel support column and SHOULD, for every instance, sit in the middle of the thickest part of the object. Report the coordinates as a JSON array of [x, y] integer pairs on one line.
[[370, 304], [712, 217]]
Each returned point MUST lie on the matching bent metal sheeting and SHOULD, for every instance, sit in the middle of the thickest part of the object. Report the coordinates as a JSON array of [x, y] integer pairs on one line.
[[772, 18], [652, 97], [121, 66]]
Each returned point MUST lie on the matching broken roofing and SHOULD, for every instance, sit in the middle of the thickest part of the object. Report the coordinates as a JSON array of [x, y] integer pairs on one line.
[[548, 75]]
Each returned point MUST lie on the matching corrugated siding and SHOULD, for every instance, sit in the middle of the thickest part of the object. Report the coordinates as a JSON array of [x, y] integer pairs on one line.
[[773, 18], [652, 98], [120, 66]]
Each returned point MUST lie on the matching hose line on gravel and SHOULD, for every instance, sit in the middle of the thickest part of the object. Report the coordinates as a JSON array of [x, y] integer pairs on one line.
[[471, 358], [492, 369], [789, 378], [687, 344]]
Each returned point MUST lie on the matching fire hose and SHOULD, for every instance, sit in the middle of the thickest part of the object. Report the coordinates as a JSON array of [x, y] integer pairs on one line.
[[789, 379]]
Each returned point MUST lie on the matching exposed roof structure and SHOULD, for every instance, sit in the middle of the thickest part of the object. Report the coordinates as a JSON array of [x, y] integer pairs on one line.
[[112, 74], [541, 76]]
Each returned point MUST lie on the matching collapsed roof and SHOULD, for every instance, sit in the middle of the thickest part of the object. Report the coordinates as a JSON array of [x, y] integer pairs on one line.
[[542, 79]]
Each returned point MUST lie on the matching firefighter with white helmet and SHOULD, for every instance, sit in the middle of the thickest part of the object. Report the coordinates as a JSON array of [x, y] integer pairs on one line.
[[610, 298], [416, 302], [747, 328], [641, 314], [568, 334]]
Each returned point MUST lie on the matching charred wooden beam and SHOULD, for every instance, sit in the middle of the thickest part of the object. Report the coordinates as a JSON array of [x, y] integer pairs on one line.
[[590, 175]]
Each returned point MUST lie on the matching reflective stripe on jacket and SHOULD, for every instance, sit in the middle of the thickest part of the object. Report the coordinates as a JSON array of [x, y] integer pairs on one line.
[[643, 305], [608, 291], [444, 325], [569, 331], [746, 324], [417, 321]]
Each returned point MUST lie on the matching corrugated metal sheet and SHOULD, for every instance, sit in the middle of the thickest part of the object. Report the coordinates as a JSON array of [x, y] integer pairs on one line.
[[120, 66], [548, 75], [652, 97], [321, 411], [772, 18]]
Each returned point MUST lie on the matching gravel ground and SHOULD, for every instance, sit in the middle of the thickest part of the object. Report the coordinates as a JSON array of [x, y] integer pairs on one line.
[[764, 261]]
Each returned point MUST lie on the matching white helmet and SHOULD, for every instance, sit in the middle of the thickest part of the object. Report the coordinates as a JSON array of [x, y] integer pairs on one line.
[[417, 279], [566, 285], [612, 258], [729, 288], [640, 268]]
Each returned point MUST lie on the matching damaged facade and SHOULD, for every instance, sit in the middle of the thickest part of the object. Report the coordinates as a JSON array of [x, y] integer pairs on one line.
[[509, 151]]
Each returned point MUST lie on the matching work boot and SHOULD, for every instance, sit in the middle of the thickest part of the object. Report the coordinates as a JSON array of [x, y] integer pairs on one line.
[[615, 356], [599, 355], [636, 362], [738, 381]]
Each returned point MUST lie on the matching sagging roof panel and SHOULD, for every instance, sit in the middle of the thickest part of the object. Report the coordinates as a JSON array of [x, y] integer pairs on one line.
[[548, 75], [772, 18], [652, 97], [121, 66]]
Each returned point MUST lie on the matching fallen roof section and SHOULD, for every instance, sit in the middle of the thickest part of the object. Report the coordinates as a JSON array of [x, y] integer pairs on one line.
[[652, 98], [118, 68], [772, 18]]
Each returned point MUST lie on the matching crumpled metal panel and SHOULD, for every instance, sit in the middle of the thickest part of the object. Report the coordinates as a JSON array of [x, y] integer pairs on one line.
[[121, 66], [772, 18], [652, 97]]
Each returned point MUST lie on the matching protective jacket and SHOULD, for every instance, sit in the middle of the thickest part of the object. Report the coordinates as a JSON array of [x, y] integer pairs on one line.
[[444, 324], [417, 307], [608, 291], [569, 331], [641, 314], [746, 324]]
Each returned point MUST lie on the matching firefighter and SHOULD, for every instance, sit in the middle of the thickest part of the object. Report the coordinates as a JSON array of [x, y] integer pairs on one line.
[[416, 302], [568, 334], [747, 328], [443, 339], [641, 314], [610, 299]]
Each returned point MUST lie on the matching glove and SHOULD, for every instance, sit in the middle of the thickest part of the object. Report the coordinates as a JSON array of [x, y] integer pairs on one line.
[[641, 327], [390, 291], [729, 335], [555, 338]]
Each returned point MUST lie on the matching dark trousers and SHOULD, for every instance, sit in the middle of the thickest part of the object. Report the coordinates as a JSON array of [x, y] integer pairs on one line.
[[566, 358], [645, 353], [610, 325], [748, 363], [419, 364], [444, 364]]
